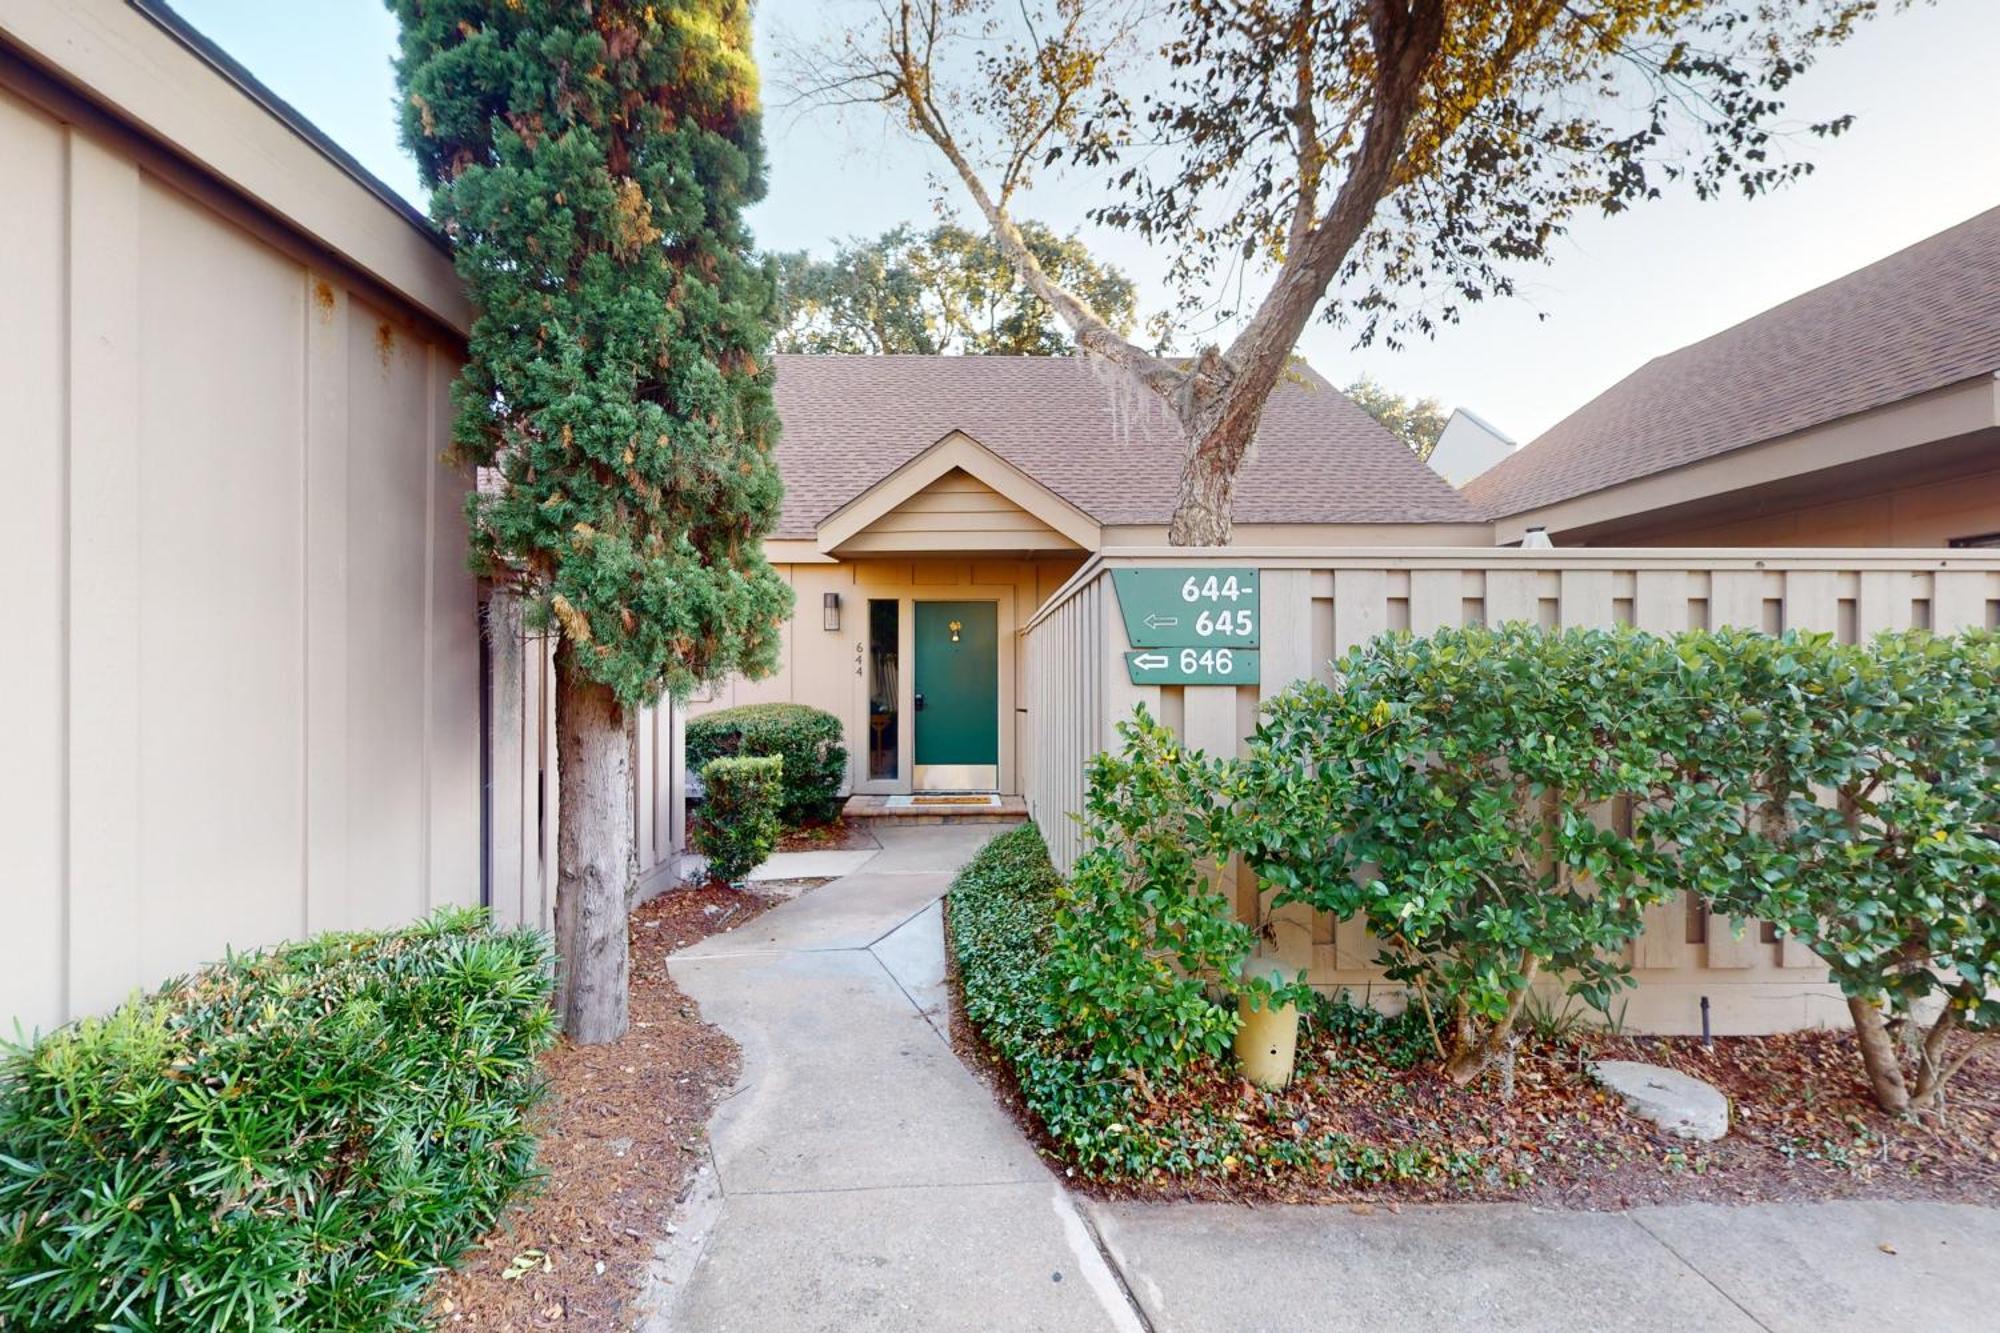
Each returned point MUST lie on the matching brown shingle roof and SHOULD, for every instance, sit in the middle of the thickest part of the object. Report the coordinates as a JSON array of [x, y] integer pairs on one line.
[[1921, 319], [849, 421]]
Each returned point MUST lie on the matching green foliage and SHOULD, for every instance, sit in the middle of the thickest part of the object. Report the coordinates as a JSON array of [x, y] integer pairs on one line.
[[1393, 1041], [1143, 934], [807, 739], [1448, 791], [1417, 422], [591, 165], [1003, 926], [739, 827], [949, 290], [1504, 121], [1859, 810], [291, 1139]]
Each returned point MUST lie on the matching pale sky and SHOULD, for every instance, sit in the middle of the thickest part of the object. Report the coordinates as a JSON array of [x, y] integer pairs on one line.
[[1924, 154]]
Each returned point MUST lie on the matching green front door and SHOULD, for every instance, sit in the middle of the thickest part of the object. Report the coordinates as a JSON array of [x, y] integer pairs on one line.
[[957, 696]]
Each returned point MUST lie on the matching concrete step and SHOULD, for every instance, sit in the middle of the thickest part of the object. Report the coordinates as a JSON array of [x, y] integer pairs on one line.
[[942, 808]]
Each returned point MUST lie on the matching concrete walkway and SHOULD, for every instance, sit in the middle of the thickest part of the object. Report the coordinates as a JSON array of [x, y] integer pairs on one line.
[[861, 1178]]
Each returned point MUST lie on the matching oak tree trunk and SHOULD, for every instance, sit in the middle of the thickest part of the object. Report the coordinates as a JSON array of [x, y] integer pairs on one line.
[[596, 855], [1878, 1056]]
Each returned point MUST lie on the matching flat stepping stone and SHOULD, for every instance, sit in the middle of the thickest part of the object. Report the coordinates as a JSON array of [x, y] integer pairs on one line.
[[1680, 1104]]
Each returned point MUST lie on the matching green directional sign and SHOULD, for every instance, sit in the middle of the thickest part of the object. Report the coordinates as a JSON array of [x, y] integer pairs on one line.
[[1192, 666], [1189, 607]]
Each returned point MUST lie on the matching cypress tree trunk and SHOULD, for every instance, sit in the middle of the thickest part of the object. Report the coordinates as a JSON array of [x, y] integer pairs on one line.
[[596, 852]]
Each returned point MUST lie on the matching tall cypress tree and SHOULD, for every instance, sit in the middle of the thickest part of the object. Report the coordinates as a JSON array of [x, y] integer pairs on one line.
[[590, 161]]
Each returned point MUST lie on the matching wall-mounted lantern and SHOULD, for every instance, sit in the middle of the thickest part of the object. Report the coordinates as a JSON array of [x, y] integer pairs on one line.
[[829, 613]]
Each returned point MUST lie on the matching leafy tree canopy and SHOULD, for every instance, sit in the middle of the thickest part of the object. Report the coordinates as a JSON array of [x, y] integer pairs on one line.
[[948, 290], [1417, 422], [591, 164], [1378, 163]]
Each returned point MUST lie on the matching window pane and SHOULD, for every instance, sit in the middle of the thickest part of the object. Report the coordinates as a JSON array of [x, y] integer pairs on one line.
[[884, 623]]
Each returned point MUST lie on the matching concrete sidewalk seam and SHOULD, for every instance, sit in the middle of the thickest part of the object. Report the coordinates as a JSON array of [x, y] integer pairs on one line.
[[1690, 1265], [906, 921], [904, 991], [1081, 1207]]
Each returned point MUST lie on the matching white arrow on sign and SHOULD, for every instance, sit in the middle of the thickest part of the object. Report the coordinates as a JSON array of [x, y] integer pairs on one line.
[[1151, 660], [1154, 620]]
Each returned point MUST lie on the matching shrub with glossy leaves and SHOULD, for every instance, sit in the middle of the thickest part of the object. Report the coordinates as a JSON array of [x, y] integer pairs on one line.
[[738, 827], [292, 1139], [1105, 1123], [809, 740], [1143, 933], [1864, 819], [1453, 790]]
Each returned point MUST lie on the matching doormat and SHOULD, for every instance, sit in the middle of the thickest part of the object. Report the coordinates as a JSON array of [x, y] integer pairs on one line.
[[943, 798]]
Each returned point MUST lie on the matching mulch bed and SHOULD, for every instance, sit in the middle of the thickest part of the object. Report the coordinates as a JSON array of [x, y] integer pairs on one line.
[[623, 1129], [836, 836], [1803, 1126]]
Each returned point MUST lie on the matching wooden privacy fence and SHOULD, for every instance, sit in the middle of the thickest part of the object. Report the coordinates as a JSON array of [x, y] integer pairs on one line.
[[524, 792], [1316, 604]]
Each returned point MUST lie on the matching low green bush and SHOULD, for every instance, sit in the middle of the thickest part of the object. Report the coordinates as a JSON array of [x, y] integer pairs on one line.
[[739, 826], [1501, 804], [1449, 791], [1861, 815], [299, 1138], [1145, 941], [807, 739], [1006, 911]]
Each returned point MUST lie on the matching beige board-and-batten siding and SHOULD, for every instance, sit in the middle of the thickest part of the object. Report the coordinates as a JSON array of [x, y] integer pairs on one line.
[[1317, 604], [240, 677], [240, 685]]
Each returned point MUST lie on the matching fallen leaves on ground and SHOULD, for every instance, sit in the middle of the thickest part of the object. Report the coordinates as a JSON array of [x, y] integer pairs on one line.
[[835, 836], [624, 1126], [1803, 1127]]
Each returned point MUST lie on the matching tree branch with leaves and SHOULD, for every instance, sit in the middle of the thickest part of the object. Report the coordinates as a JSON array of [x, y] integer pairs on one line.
[[1376, 163]]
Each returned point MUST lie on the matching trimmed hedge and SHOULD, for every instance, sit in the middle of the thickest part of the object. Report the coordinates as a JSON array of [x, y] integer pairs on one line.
[[1012, 931], [739, 825], [298, 1138], [807, 739]]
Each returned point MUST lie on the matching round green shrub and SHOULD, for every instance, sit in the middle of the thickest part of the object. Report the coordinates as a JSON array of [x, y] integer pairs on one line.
[[298, 1138], [739, 825], [809, 740]]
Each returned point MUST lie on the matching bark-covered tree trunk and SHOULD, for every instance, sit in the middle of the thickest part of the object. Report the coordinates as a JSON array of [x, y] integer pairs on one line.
[[596, 852], [1471, 1059], [1878, 1056]]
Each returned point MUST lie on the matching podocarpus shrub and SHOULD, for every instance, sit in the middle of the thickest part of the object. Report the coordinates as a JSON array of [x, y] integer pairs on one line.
[[1451, 790], [739, 825], [295, 1139], [807, 739], [1863, 818]]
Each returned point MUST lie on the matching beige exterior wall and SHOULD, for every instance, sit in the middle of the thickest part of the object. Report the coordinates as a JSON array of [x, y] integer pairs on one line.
[[945, 512], [828, 669], [240, 684], [1935, 513], [1316, 604], [1881, 478]]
